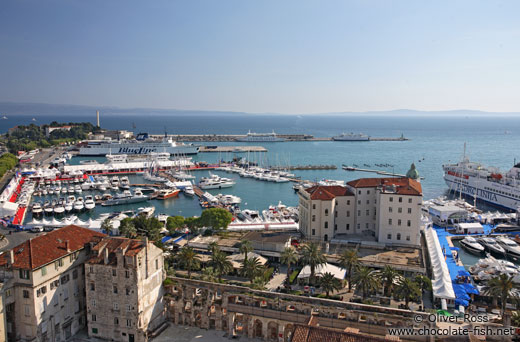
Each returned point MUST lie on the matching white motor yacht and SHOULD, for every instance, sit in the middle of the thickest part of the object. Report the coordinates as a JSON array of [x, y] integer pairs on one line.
[[491, 245], [228, 199], [471, 245], [215, 182], [59, 208], [37, 208], [77, 189], [79, 204], [89, 203], [188, 190], [512, 249]]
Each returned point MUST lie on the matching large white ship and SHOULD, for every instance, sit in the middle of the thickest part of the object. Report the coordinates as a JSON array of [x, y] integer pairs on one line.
[[351, 137], [261, 137], [483, 183], [141, 145]]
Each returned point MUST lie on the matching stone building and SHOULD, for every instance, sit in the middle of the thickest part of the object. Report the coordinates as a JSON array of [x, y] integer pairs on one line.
[[124, 289], [270, 316], [43, 285], [385, 210]]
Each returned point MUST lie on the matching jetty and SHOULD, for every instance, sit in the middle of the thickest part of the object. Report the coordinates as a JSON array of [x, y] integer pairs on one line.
[[379, 172], [305, 167]]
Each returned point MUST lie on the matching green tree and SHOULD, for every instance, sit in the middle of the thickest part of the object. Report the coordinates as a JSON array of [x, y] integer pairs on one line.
[[313, 256], [189, 259], [216, 218], [246, 247], [349, 260], [213, 246], [407, 289], [107, 226], [220, 263], [366, 279], [127, 228], [289, 257], [388, 275], [424, 283], [501, 287], [193, 224], [209, 274], [173, 223], [515, 319], [251, 268], [329, 283], [149, 227]]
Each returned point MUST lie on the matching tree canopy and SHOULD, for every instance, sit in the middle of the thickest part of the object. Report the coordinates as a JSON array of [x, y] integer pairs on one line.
[[216, 218]]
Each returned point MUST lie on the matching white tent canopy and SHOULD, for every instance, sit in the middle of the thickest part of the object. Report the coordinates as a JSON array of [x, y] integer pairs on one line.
[[336, 271], [441, 282]]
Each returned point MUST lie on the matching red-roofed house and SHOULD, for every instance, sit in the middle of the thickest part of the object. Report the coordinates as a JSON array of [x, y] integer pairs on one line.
[[124, 289], [44, 284], [385, 210]]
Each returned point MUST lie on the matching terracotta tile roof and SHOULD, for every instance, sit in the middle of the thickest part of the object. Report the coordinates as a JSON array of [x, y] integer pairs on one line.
[[112, 244], [404, 186], [327, 193], [308, 333], [46, 248]]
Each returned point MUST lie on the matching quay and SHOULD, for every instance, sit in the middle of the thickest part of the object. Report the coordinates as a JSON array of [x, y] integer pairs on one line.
[[234, 149], [287, 137], [306, 167], [379, 172]]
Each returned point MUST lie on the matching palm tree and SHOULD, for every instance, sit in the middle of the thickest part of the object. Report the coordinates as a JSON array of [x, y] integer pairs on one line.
[[366, 279], [349, 260], [313, 256], [209, 274], [289, 257], [246, 247], [407, 289], [425, 284], [107, 226], [329, 283], [220, 263], [388, 275], [212, 246], [189, 259], [501, 287], [251, 268]]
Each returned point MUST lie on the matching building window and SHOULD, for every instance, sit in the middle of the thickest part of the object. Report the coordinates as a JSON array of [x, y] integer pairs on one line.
[[398, 236], [91, 269], [114, 272], [409, 210], [366, 225], [127, 274], [389, 237], [348, 202], [407, 237], [25, 294], [368, 192], [391, 199], [348, 213], [58, 263], [75, 274], [390, 222], [94, 330], [314, 206], [116, 306], [325, 237], [326, 212], [25, 274], [348, 226], [313, 218], [400, 199], [335, 227], [128, 322], [93, 319], [409, 223], [368, 212], [409, 200], [128, 291], [359, 213], [65, 279], [389, 209], [335, 214], [156, 264], [314, 232], [116, 321], [44, 271], [114, 289], [128, 307], [359, 202], [368, 201], [359, 192], [358, 226], [399, 222], [93, 303], [326, 225], [399, 210], [92, 287]]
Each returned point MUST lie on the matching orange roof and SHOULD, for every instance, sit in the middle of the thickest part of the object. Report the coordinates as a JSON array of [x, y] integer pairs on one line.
[[327, 193], [46, 248], [112, 244], [403, 185], [312, 333]]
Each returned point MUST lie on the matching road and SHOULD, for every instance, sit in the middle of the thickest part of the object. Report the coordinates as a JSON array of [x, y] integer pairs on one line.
[[15, 238]]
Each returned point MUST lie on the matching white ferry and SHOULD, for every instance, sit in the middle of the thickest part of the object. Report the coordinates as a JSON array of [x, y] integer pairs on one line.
[[488, 184], [141, 145], [351, 137], [261, 137]]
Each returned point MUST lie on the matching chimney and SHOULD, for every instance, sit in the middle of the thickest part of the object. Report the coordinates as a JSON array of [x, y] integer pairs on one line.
[[105, 256], [11, 257], [97, 118], [67, 246]]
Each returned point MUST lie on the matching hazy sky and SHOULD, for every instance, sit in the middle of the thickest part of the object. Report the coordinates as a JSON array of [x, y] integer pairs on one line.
[[263, 56]]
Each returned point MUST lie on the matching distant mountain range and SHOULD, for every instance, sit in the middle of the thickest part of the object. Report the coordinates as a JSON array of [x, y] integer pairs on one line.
[[36, 109]]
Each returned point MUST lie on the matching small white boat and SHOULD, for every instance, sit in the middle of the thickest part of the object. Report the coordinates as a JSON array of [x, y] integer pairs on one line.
[[189, 191], [89, 203], [79, 204], [492, 246], [512, 249], [147, 211], [77, 189], [471, 245], [37, 208]]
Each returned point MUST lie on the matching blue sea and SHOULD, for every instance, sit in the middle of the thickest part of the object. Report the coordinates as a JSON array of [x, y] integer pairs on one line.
[[434, 140]]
